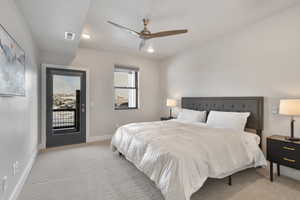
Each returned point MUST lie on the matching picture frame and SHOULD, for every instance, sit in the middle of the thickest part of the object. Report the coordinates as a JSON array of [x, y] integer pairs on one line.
[[12, 66]]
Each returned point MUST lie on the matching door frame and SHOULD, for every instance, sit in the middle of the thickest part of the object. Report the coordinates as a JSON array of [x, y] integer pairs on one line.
[[43, 89]]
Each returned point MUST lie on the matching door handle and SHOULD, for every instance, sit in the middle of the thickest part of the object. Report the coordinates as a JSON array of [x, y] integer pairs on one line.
[[82, 107]]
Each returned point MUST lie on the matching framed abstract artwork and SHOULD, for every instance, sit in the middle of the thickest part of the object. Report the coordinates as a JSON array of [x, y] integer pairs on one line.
[[12, 66]]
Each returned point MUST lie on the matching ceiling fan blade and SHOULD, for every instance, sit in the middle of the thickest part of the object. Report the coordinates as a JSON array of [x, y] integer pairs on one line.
[[124, 28], [142, 44], [166, 33]]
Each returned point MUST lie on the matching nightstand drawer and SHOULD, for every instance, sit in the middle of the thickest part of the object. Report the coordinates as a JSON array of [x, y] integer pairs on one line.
[[289, 162], [284, 153]]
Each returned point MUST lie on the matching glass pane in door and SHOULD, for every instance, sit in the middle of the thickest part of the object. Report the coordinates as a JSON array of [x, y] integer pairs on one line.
[[66, 102]]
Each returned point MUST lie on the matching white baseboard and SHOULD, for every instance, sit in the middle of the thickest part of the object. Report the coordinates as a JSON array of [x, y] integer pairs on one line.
[[98, 138], [18, 188]]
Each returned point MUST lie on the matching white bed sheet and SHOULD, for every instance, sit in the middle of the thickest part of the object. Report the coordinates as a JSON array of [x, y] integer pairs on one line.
[[180, 156]]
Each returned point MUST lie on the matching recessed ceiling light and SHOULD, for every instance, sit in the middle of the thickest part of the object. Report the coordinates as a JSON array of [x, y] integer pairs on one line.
[[150, 50], [69, 36], [86, 36]]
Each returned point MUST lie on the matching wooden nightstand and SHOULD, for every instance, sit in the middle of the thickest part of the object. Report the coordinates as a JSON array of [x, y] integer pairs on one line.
[[166, 118], [282, 152]]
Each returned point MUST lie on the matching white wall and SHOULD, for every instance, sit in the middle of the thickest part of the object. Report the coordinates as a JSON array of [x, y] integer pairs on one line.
[[55, 58], [18, 115], [261, 60], [101, 67]]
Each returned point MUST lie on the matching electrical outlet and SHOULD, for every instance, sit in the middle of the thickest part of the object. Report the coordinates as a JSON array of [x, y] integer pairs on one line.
[[3, 184], [15, 168]]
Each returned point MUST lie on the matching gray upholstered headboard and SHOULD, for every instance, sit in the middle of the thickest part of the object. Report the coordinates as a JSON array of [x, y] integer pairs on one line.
[[254, 105]]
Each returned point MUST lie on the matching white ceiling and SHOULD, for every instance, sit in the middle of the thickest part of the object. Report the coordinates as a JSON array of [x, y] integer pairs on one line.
[[50, 19], [205, 20]]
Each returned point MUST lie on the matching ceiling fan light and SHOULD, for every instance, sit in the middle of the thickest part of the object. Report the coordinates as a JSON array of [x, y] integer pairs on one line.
[[150, 50]]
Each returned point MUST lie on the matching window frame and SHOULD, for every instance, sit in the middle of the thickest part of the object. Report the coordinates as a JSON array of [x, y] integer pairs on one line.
[[136, 88]]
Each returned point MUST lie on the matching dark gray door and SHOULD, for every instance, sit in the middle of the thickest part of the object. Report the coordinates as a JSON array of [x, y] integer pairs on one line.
[[66, 105]]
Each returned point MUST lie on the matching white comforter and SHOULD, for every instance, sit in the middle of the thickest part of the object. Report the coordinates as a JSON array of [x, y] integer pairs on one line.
[[179, 157]]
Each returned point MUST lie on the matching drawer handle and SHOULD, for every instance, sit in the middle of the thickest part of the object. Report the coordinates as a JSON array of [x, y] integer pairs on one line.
[[289, 148], [289, 160]]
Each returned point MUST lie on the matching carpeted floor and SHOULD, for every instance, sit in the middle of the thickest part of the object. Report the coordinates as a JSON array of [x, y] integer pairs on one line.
[[93, 172]]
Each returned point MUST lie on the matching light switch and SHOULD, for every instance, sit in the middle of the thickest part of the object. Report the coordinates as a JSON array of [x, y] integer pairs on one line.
[[275, 109], [15, 168]]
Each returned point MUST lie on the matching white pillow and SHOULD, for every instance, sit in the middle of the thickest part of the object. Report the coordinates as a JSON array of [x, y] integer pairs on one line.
[[192, 115], [231, 120]]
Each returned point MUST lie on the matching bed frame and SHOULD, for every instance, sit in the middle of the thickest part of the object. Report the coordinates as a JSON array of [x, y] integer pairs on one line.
[[254, 105]]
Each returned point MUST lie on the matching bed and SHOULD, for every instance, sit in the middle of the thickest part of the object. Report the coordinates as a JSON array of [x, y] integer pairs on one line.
[[179, 156]]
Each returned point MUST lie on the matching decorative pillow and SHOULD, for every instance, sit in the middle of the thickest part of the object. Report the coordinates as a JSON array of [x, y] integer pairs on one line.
[[192, 115], [231, 120]]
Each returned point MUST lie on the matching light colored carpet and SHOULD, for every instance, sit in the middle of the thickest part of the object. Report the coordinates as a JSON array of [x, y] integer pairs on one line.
[[93, 172]]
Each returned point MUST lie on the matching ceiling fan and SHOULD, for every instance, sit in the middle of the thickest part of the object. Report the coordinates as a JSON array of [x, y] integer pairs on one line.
[[145, 34]]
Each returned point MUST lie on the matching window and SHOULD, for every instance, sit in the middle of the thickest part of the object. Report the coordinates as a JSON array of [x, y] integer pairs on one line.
[[126, 88]]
